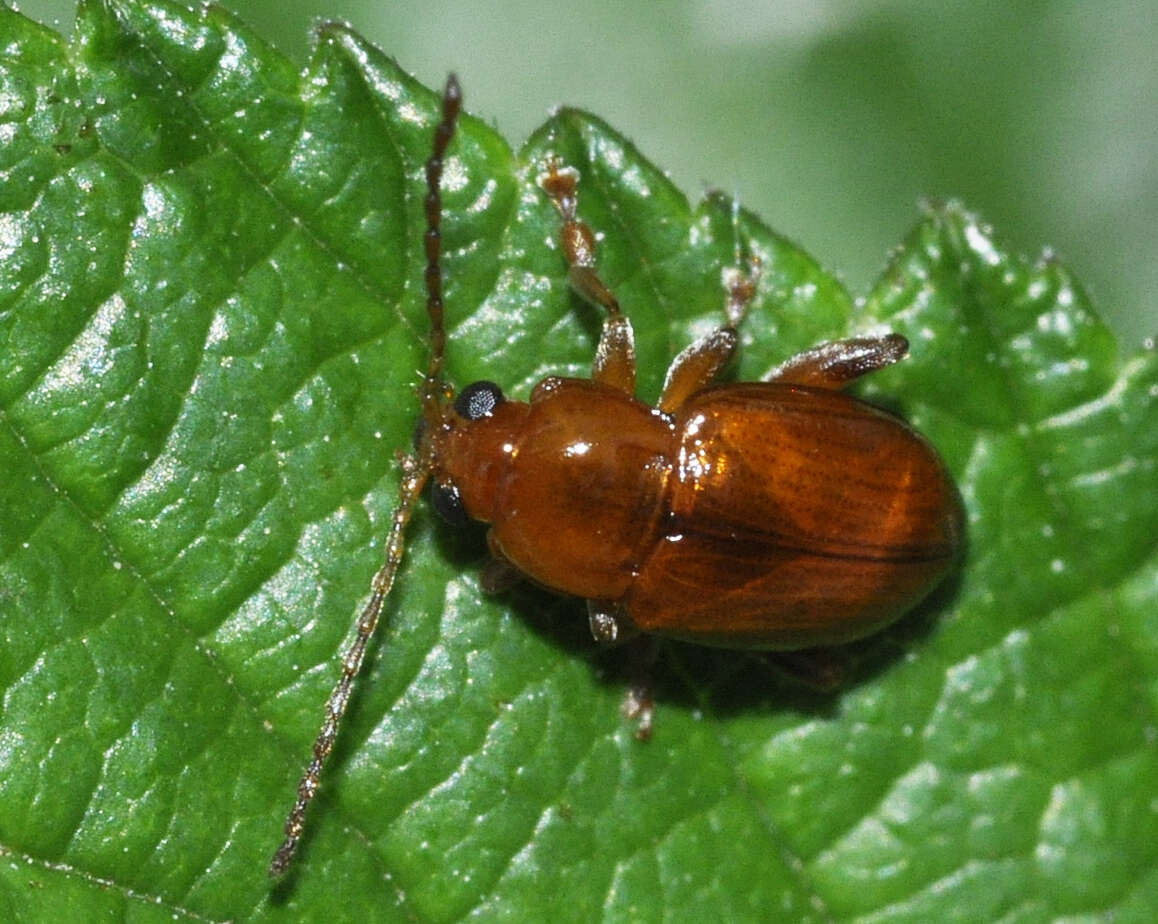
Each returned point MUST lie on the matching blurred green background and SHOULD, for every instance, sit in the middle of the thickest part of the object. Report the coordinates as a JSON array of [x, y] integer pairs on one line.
[[830, 119]]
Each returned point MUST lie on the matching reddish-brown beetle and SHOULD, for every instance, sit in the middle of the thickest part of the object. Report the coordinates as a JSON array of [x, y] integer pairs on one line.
[[772, 515]]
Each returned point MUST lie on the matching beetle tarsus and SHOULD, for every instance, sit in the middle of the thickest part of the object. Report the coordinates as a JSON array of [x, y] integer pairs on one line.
[[604, 625], [639, 706], [615, 356]]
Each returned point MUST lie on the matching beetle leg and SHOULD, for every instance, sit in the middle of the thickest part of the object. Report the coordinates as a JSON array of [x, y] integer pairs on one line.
[[820, 669], [639, 704], [498, 575], [615, 356], [640, 707], [833, 365], [698, 365], [609, 624]]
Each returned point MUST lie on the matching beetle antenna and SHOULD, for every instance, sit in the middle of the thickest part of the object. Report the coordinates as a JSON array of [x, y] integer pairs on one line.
[[415, 472], [414, 475], [432, 387]]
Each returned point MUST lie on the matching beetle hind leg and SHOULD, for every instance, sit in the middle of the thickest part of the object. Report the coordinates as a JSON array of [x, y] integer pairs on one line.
[[615, 356], [833, 365]]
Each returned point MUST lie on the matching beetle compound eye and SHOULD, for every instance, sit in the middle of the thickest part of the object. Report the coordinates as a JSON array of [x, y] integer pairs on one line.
[[478, 400], [447, 503]]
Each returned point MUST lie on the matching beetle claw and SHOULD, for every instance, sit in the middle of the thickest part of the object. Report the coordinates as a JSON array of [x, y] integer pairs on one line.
[[639, 705], [608, 624]]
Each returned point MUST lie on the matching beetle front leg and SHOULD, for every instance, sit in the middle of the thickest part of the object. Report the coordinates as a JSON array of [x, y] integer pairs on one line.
[[833, 365], [499, 574], [615, 356]]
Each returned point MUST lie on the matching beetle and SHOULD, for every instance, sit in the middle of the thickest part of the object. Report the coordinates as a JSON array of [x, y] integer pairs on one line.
[[777, 515]]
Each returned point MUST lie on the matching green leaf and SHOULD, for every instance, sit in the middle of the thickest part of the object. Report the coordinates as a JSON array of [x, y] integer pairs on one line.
[[211, 322]]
